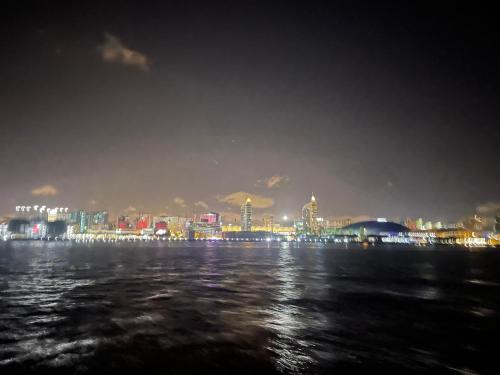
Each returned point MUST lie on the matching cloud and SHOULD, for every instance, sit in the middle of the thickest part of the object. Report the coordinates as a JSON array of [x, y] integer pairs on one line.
[[488, 208], [238, 198], [180, 201], [130, 210], [113, 51], [273, 182], [45, 191], [201, 204]]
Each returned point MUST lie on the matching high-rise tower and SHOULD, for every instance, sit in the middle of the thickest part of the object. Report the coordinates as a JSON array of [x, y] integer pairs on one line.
[[246, 215], [310, 216]]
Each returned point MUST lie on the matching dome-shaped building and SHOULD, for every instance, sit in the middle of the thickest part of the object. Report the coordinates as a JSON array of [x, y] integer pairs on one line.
[[375, 228]]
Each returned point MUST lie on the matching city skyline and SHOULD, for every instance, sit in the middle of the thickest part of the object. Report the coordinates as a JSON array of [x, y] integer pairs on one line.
[[249, 187], [180, 207], [381, 111]]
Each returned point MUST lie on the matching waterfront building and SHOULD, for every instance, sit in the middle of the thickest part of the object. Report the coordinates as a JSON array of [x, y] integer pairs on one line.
[[143, 221], [410, 223], [374, 228], [210, 218], [420, 224], [74, 217], [85, 220], [124, 222], [230, 228], [474, 223], [310, 216], [4, 227], [100, 218], [246, 215], [268, 222], [338, 222], [160, 228], [177, 225]]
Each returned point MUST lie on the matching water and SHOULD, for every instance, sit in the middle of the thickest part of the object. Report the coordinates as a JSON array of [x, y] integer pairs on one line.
[[246, 308]]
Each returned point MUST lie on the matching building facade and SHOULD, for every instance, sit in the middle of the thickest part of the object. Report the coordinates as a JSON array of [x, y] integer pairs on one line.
[[246, 215], [310, 217]]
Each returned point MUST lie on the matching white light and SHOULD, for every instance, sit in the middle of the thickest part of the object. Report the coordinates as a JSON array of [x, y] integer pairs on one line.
[[285, 218], [18, 208]]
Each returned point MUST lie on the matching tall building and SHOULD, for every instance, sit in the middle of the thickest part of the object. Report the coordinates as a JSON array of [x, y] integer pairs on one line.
[[124, 222], [310, 216], [496, 227], [100, 218], [143, 221], [74, 217], [419, 224], [85, 220], [246, 215], [410, 223], [268, 222]]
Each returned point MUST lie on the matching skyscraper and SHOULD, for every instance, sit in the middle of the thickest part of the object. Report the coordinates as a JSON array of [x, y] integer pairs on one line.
[[310, 216], [100, 218], [246, 215], [85, 220]]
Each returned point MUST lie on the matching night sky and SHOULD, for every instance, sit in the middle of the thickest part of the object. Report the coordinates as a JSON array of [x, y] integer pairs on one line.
[[379, 109]]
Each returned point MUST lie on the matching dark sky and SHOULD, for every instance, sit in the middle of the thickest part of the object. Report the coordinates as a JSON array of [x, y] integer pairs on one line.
[[384, 109]]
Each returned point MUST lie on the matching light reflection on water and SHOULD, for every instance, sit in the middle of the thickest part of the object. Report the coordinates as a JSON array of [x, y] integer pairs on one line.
[[246, 307]]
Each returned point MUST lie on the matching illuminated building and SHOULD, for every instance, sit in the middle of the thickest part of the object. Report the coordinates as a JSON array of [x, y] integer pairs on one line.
[[269, 223], [496, 227], [144, 221], [124, 222], [177, 225], [85, 220], [338, 222], [475, 223], [298, 224], [4, 227], [210, 218], [100, 218], [246, 215], [410, 223], [375, 228], [52, 214], [74, 217], [419, 224], [310, 217], [231, 228], [161, 228], [277, 229]]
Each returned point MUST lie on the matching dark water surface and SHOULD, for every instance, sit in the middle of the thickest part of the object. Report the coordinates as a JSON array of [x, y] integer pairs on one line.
[[246, 308]]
